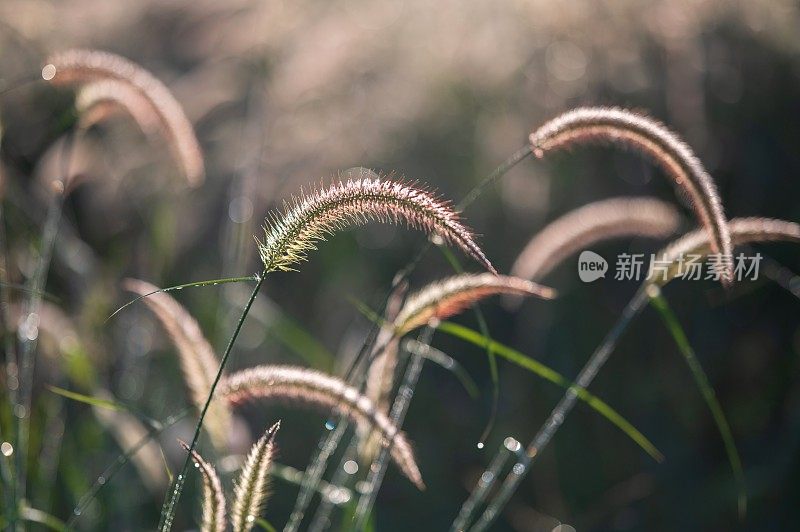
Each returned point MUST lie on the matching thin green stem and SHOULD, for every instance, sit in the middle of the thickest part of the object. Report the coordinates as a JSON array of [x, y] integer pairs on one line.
[[11, 364], [27, 359], [516, 158], [397, 415], [355, 372], [210, 282], [561, 410], [490, 354], [168, 510], [658, 302], [114, 467]]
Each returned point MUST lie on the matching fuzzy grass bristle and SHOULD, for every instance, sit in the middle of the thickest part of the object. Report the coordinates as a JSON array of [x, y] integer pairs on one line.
[[297, 386], [447, 297], [213, 519], [79, 66], [650, 137], [743, 231], [592, 223], [198, 363], [308, 219], [252, 488], [96, 101]]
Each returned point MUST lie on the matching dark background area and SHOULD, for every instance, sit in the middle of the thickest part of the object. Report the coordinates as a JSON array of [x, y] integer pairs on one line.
[[285, 94]]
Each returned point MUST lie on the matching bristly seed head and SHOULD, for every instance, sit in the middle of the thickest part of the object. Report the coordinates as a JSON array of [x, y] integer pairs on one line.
[[447, 297], [251, 489], [305, 387], [594, 222], [290, 235], [213, 495], [650, 137], [84, 65], [743, 231], [198, 362]]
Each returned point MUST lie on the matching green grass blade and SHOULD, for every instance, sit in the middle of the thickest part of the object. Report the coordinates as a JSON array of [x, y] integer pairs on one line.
[[265, 525], [490, 354], [302, 343], [32, 515], [114, 467], [108, 404], [549, 374], [445, 361], [210, 282], [707, 391], [87, 399]]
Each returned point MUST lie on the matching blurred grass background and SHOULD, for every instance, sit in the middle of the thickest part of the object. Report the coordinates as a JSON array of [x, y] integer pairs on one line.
[[283, 94]]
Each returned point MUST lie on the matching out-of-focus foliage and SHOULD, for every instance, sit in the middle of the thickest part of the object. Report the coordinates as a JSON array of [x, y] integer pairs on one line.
[[283, 94]]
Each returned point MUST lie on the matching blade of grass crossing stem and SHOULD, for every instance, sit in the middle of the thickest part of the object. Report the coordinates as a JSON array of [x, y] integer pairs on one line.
[[263, 524], [398, 413], [490, 355], [210, 282], [168, 509], [87, 399], [32, 515], [485, 483], [549, 374], [35, 286], [109, 404], [658, 302], [114, 467], [561, 410], [294, 336], [329, 442], [517, 157]]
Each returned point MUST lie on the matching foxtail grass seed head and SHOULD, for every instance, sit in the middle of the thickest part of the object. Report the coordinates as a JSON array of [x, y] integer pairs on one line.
[[214, 519], [305, 387], [291, 234], [252, 488], [381, 373], [648, 136], [80, 66], [198, 363], [97, 101], [592, 223], [743, 231], [447, 297]]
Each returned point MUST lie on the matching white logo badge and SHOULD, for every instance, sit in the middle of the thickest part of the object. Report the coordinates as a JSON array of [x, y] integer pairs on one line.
[[591, 266]]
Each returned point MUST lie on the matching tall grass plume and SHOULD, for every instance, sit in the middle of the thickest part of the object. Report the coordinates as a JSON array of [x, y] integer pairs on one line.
[[251, 490], [654, 139], [300, 386], [80, 66], [213, 496], [291, 234]]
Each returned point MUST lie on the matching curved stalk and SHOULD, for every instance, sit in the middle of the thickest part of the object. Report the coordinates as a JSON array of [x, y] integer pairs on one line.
[[168, 509]]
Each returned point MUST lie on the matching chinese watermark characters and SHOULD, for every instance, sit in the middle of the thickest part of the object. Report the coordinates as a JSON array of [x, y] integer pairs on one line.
[[691, 267]]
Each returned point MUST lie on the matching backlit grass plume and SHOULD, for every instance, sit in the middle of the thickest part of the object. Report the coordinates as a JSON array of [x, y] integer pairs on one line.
[[251, 490], [643, 134], [696, 243], [98, 100], [214, 519], [290, 235], [305, 387], [381, 373], [450, 296], [196, 356], [80, 66], [592, 223]]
